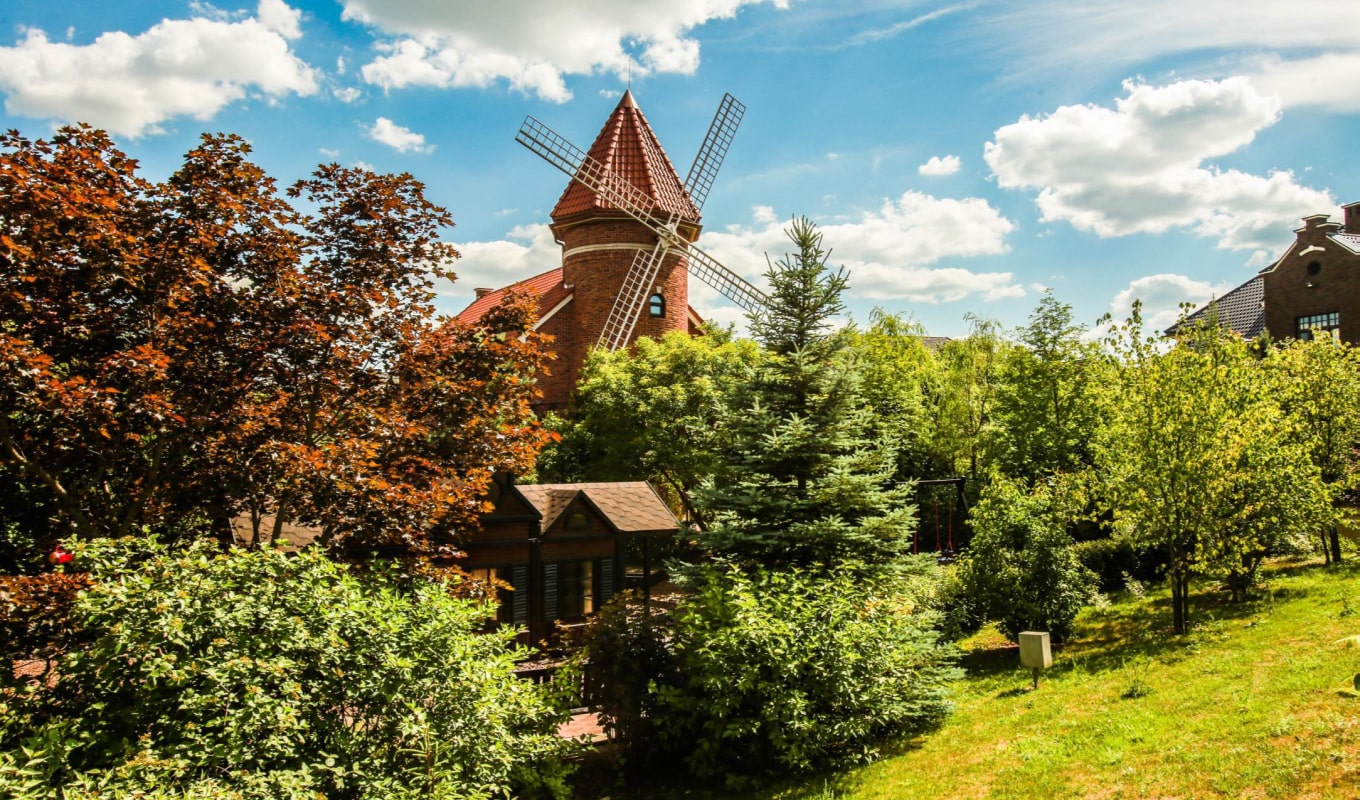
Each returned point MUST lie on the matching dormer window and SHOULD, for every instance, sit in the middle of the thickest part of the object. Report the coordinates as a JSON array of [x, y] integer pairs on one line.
[[656, 305]]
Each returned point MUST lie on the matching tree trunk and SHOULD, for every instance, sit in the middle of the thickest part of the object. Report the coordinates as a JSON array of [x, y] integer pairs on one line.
[[1326, 549], [1336, 546]]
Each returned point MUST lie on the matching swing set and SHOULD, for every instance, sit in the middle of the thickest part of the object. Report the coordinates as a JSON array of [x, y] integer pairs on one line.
[[944, 541]]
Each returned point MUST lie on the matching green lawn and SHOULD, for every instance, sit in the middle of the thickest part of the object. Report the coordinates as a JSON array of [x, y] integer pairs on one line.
[[1246, 705]]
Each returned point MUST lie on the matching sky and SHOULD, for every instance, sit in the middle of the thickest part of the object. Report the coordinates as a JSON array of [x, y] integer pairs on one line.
[[960, 157]]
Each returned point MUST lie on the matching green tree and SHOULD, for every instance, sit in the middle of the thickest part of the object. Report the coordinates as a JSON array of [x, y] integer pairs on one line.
[[805, 482], [654, 412], [898, 370], [1021, 567], [1045, 409], [1197, 457], [263, 674], [962, 402], [1318, 383]]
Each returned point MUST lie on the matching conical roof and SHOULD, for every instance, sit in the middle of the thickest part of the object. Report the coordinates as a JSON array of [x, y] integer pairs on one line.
[[628, 148]]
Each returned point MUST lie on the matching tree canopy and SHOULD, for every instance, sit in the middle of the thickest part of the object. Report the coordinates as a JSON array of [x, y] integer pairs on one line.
[[176, 354]]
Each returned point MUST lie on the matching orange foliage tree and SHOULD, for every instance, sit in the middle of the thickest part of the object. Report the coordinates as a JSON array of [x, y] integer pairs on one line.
[[180, 354]]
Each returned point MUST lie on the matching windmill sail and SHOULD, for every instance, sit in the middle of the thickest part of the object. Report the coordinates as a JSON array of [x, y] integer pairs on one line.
[[714, 149], [576, 163]]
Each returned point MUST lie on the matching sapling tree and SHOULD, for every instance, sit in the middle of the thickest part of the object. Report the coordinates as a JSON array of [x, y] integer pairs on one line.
[[1196, 456], [1318, 384]]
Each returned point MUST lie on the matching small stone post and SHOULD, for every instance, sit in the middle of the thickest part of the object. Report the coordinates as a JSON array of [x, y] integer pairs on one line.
[[1035, 653]]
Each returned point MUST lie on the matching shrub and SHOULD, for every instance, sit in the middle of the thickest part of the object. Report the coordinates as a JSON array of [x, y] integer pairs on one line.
[[623, 657], [1110, 560], [259, 674], [781, 672], [1021, 567], [35, 614]]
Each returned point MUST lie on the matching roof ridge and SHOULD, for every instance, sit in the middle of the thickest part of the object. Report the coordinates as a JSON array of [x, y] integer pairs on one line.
[[628, 147]]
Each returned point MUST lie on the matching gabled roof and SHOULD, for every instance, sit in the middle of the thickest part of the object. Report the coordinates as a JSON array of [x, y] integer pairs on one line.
[[627, 147], [547, 287], [1242, 310], [1350, 240], [629, 507]]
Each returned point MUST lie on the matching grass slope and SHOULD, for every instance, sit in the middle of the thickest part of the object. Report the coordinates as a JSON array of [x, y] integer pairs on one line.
[[1244, 706]]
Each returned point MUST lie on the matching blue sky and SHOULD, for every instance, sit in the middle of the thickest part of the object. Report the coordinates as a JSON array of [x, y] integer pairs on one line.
[[960, 157]]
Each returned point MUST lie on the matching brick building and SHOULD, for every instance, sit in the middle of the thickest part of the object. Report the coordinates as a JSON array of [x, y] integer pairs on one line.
[[1313, 287], [599, 243]]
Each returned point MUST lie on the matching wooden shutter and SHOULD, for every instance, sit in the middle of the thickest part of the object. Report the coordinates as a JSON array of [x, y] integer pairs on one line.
[[519, 581], [549, 592], [606, 580]]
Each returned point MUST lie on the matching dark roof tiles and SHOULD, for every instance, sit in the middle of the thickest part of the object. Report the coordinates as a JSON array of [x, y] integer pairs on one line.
[[631, 507], [1240, 310]]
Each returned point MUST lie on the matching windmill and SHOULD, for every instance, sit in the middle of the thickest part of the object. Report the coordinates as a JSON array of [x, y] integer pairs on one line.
[[623, 195]]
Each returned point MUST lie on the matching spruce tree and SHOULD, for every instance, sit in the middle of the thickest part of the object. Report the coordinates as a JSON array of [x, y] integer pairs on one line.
[[807, 484]]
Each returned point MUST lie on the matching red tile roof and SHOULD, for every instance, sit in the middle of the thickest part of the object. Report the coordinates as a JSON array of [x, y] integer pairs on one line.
[[548, 287], [629, 149]]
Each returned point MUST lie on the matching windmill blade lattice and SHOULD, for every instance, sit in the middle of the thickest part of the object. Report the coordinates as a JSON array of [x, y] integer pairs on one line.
[[623, 316], [728, 283], [576, 163], [714, 149]]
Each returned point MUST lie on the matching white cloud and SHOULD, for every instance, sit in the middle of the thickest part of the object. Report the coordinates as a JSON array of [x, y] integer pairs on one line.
[[347, 94], [132, 84], [1162, 295], [1062, 34], [329, 153], [526, 251], [940, 166], [403, 140], [277, 16], [1323, 80], [1141, 166], [532, 45], [1322, 40], [888, 253]]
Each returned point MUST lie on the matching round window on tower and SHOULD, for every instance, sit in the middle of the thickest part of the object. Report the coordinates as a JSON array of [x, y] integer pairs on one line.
[[656, 306], [1314, 268]]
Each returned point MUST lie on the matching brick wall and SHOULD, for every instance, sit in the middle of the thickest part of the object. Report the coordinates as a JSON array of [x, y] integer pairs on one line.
[[598, 251], [1309, 281]]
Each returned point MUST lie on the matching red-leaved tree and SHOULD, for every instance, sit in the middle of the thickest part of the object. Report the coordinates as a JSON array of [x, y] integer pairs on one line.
[[176, 355]]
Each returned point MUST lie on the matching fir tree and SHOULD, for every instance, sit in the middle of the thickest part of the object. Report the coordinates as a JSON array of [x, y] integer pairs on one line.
[[807, 484]]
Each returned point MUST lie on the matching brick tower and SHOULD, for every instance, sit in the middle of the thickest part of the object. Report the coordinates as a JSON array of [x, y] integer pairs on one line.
[[599, 243]]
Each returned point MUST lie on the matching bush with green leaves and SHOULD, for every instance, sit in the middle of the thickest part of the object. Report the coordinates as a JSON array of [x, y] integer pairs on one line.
[[261, 674], [776, 672], [1021, 567], [1114, 561]]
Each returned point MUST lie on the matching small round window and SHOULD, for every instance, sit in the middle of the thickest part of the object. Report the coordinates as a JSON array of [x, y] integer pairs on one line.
[[578, 520], [656, 306], [1314, 268]]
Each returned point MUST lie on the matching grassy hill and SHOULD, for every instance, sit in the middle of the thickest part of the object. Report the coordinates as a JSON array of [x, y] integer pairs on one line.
[[1245, 706]]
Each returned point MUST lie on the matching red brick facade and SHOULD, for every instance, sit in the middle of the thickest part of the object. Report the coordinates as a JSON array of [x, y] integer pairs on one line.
[[596, 254], [599, 244], [1318, 276], [1314, 286]]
